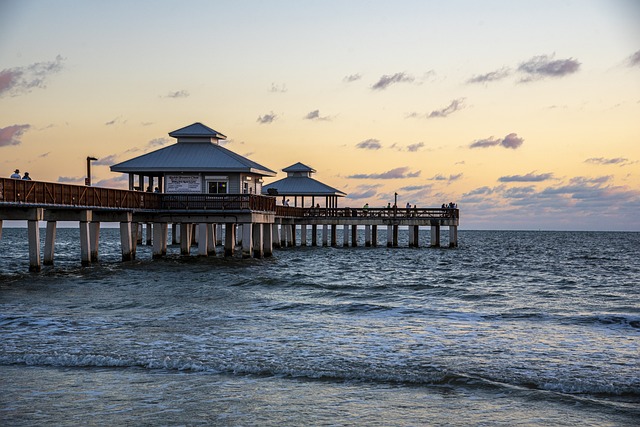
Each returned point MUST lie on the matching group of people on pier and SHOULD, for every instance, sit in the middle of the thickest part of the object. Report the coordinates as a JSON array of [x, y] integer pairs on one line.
[[16, 175]]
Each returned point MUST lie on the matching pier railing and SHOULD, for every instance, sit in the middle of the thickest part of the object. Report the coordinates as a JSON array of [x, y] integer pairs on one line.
[[252, 202], [39, 193], [382, 212]]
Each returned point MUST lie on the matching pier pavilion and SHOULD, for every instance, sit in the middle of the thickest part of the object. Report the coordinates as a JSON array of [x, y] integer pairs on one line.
[[209, 192]]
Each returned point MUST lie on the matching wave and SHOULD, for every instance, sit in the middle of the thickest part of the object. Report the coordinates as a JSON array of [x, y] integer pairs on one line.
[[423, 375]]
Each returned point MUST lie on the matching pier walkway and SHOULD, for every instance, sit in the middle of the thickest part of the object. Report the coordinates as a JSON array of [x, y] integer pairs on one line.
[[251, 222]]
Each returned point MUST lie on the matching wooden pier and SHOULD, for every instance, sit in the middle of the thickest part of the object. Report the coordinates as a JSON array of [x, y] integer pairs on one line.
[[254, 221]]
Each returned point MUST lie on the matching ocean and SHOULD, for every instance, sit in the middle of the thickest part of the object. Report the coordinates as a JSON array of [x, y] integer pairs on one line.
[[511, 328]]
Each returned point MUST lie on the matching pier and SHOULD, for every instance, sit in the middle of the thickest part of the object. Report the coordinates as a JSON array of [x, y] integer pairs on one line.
[[210, 197]]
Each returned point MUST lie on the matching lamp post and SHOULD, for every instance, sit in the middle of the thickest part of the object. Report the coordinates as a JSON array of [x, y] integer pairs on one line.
[[87, 180]]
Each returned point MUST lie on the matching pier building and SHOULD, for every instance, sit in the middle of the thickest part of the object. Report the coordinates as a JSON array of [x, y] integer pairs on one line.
[[211, 197]]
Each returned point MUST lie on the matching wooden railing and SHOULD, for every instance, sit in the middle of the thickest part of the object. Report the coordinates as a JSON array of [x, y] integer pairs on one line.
[[56, 194], [382, 212], [219, 202]]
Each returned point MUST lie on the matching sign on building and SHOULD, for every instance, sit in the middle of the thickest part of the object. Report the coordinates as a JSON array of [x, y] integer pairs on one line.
[[183, 184]]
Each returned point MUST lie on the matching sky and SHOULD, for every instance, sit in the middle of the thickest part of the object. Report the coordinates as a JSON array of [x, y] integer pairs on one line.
[[524, 113]]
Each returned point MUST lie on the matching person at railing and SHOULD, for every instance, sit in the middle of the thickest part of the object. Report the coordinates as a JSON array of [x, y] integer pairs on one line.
[[156, 190], [16, 174], [26, 176], [286, 202], [408, 208], [365, 209]]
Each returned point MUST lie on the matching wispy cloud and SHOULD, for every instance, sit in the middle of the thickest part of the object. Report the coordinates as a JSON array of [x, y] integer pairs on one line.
[[352, 78], [620, 161], [542, 66], [492, 76], [315, 115], [454, 105], [158, 142], [450, 178], [278, 88], [106, 160], [510, 141], [11, 134], [397, 173], [19, 80], [530, 177], [387, 80], [369, 144], [415, 147], [267, 118], [634, 60], [178, 94], [115, 121], [363, 192]]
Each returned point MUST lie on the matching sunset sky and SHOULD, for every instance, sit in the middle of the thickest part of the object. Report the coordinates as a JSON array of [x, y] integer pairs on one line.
[[525, 113]]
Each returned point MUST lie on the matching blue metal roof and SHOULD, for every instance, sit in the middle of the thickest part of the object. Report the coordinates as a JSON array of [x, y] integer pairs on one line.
[[201, 155], [301, 186]]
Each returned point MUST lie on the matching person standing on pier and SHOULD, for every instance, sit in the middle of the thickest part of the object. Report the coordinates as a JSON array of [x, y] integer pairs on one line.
[[16, 174], [26, 176]]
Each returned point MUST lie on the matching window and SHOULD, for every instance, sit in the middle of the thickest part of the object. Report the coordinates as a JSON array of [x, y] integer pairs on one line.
[[217, 187]]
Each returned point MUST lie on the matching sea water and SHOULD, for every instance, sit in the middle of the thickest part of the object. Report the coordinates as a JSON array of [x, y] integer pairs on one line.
[[510, 328]]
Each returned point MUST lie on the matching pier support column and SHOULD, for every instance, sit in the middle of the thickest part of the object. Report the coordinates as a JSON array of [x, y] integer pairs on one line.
[[367, 235], [94, 240], [314, 235], [435, 236], [354, 235], [139, 233], [258, 242], [34, 245], [334, 235], [50, 242], [395, 235], [126, 241], [174, 234], [410, 230], [374, 235], [159, 239], [85, 237], [283, 235], [247, 240], [239, 234], [275, 235], [303, 234], [345, 235], [203, 239], [0, 229], [211, 239], [185, 238], [292, 236], [389, 236], [325, 235], [85, 242], [416, 236], [453, 236], [229, 239], [267, 247], [135, 235], [219, 234], [149, 233]]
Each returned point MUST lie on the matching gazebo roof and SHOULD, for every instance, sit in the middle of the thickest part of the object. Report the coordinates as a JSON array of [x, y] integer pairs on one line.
[[299, 183], [197, 150]]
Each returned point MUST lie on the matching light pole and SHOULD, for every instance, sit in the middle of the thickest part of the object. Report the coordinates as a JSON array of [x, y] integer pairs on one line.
[[87, 180], [395, 200]]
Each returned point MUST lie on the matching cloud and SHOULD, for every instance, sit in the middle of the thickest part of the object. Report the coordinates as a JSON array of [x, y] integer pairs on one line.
[[157, 142], [352, 78], [369, 144], [415, 147], [397, 173], [115, 121], [363, 192], [634, 60], [21, 80], [71, 179], [530, 177], [440, 177], [386, 80], [543, 66], [510, 141], [278, 89], [491, 76], [106, 160], [178, 94], [455, 105], [267, 118], [315, 115], [11, 134], [620, 161]]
